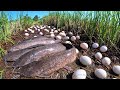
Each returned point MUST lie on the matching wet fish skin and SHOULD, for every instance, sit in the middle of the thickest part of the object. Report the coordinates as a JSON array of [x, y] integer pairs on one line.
[[36, 54], [31, 42], [13, 56], [49, 65]]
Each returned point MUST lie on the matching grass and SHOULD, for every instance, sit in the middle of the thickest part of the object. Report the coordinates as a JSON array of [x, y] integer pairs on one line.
[[1, 74], [104, 24], [10, 27]]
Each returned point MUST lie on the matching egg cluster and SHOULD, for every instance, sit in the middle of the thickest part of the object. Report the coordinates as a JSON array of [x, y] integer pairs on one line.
[[70, 38], [86, 60]]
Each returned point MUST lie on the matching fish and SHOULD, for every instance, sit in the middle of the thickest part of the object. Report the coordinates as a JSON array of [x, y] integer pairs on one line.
[[13, 56], [36, 54], [35, 41], [47, 66]]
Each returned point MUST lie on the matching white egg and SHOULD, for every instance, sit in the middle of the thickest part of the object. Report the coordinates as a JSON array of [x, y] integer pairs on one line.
[[41, 33], [41, 27], [54, 28], [66, 38], [106, 61], [59, 30], [58, 37], [37, 26], [70, 33], [78, 37], [103, 48], [55, 31], [85, 60], [26, 34], [32, 31], [100, 73], [35, 36], [39, 30], [77, 51], [63, 31], [95, 45], [116, 69], [25, 30], [62, 34], [98, 55], [84, 45], [48, 26], [114, 78], [52, 35], [68, 42], [46, 30], [51, 32], [73, 38], [29, 29], [79, 74]]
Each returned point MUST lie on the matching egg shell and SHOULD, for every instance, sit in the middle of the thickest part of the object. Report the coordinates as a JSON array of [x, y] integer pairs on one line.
[[77, 51], [85, 60], [78, 37], [26, 34], [54, 28], [73, 38], [98, 55], [48, 26], [70, 33], [106, 61], [66, 38], [95, 45], [56, 31], [46, 30], [58, 37], [32, 31], [37, 26], [103, 48], [62, 34], [25, 30], [52, 35], [35, 36], [59, 30], [116, 69], [51, 32], [79, 74], [68, 42], [39, 30], [41, 33], [100, 73], [29, 29], [84, 45]]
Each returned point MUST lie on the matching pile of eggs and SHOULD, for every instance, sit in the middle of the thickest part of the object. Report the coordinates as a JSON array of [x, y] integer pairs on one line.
[[86, 60], [52, 32]]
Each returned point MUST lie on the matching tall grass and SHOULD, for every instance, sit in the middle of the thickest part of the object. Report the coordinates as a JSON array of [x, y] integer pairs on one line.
[[10, 27], [104, 25]]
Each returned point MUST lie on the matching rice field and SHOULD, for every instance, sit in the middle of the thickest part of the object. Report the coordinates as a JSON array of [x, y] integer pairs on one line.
[[99, 26]]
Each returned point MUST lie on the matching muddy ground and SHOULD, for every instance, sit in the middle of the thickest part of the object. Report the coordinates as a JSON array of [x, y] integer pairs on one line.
[[66, 72]]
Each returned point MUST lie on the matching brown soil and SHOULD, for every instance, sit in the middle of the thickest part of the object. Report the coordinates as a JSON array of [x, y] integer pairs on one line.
[[66, 72]]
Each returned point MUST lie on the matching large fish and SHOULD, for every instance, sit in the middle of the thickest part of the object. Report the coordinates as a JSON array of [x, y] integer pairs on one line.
[[35, 41], [38, 53], [48, 65], [13, 56]]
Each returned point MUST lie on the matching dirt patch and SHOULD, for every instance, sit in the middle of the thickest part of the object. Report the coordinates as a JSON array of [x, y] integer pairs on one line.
[[66, 72]]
